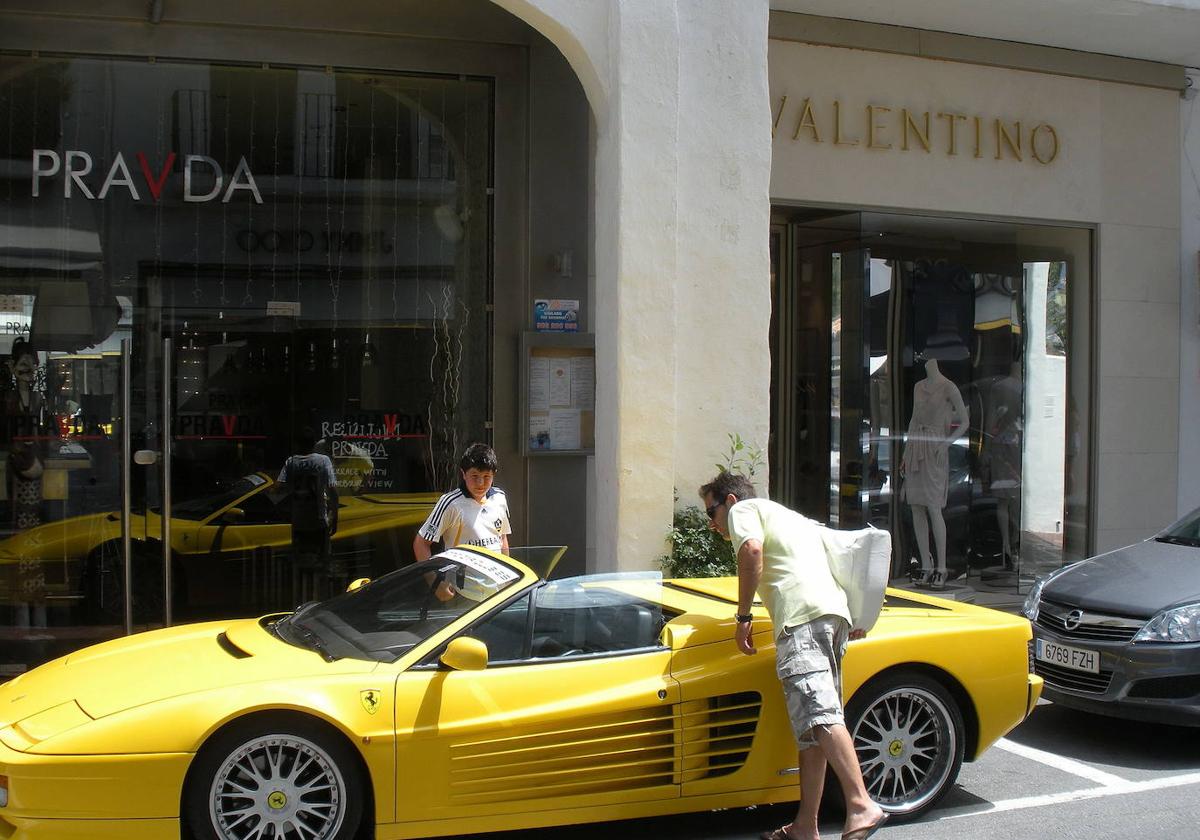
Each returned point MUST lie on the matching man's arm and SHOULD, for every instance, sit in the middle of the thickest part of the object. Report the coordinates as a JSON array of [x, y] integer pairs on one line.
[[749, 561]]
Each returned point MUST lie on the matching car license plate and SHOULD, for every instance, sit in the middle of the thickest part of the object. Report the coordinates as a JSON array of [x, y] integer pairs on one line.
[[1068, 657]]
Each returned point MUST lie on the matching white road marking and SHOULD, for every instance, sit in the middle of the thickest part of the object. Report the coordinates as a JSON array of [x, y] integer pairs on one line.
[[1072, 796], [1067, 765]]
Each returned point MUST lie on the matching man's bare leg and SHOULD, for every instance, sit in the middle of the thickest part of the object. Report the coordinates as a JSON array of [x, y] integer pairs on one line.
[[812, 785], [838, 750]]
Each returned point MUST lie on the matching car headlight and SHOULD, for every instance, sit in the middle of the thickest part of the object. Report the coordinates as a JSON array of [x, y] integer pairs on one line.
[[1033, 601], [1179, 625]]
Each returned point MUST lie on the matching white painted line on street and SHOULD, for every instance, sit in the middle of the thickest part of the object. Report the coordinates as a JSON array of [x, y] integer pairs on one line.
[[1067, 765], [1071, 796]]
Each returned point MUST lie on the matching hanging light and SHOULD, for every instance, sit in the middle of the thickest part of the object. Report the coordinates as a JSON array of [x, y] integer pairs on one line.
[[334, 361], [368, 351]]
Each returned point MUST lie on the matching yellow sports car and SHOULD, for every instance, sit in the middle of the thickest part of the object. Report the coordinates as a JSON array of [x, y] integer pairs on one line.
[[248, 521], [515, 703]]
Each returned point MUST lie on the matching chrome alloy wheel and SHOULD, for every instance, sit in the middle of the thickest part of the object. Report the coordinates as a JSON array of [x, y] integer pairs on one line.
[[906, 742], [278, 787]]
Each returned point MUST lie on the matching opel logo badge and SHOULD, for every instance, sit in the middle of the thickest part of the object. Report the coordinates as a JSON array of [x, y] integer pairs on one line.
[[1073, 619]]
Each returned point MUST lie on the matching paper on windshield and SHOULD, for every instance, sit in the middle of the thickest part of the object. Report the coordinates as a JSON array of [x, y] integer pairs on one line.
[[484, 565]]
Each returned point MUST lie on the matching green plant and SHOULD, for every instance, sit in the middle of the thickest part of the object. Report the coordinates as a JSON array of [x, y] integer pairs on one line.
[[697, 550], [742, 458]]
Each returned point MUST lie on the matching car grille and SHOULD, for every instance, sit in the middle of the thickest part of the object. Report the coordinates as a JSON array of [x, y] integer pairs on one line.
[[1095, 627], [1071, 680], [718, 733]]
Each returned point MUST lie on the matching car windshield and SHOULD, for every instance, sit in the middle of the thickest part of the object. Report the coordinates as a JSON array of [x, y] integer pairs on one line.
[[206, 506], [1184, 532], [382, 620]]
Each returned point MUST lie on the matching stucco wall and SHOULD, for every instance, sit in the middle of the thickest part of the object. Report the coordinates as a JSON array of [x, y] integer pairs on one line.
[[678, 90]]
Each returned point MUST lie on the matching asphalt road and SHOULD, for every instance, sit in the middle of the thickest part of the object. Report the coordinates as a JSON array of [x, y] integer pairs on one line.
[[1061, 774]]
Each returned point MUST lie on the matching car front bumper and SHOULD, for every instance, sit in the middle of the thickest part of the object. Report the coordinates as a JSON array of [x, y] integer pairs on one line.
[[99, 796], [1157, 683]]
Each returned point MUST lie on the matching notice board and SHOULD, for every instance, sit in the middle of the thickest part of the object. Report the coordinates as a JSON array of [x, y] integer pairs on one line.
[[558, 387]]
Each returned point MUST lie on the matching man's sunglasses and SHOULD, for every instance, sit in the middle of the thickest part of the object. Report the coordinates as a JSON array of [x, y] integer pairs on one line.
[[711, 510]]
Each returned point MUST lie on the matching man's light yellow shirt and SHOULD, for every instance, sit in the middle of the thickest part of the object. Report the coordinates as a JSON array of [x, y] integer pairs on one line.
[[796, 585]]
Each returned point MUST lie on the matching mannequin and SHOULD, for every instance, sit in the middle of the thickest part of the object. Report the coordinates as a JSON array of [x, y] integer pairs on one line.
[[939, 418], [1001, 456], [22, 410]]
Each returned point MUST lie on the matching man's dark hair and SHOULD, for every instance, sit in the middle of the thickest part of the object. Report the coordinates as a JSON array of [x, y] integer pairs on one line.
[[479, 456], [727, 483], [306, 440]]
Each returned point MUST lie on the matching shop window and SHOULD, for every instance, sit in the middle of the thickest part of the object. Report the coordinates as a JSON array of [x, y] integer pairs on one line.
[[941, 371]]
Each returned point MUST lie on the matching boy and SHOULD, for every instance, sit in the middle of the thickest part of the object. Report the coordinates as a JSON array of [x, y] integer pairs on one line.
[[474, 514]]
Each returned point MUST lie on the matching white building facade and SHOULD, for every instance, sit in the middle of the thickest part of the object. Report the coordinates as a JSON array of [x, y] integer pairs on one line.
[[602, 236]]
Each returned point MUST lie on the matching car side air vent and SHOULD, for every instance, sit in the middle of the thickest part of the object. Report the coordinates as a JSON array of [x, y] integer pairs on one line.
[[616, 753], [232, 649], [717, 733]]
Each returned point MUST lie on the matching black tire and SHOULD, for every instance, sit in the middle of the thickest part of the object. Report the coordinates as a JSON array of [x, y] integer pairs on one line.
[[908, 733], [231, 791]]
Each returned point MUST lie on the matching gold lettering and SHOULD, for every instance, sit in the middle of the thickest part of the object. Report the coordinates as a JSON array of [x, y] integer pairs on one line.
[[837, 127], [1033, 142], [950, 117], [978, 137], [807, 120], [872, 126], [908, 122], [1002, 134], [778, 116]]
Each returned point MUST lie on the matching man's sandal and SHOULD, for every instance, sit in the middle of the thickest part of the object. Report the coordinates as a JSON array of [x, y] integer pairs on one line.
[[778, 834], [866, 831]]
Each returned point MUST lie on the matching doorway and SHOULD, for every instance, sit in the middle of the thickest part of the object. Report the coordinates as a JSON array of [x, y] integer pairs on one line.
[[930, 378]]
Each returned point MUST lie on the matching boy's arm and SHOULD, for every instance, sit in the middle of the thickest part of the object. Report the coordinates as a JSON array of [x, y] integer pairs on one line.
[[422, 548]]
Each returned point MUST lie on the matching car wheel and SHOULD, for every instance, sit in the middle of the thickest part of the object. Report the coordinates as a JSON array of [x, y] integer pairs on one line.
[[291, 781], [908, 733]]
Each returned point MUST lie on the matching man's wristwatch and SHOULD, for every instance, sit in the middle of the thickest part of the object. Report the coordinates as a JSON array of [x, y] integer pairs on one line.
[[742, 618]]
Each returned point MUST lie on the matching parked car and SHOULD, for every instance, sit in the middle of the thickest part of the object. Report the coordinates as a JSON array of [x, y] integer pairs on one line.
[[211, 538], [1119, 634], [519, 702]]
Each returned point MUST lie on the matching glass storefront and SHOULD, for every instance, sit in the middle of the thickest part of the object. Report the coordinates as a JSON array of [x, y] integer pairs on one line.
[[931, 378], [275, 249]]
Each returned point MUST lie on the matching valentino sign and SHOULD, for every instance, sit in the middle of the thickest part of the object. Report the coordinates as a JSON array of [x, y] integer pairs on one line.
[[878, 126], [74, 165]]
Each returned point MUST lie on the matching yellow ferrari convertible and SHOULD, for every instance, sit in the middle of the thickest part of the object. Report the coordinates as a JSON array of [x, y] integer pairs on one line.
[[211, 537], [468, 694]]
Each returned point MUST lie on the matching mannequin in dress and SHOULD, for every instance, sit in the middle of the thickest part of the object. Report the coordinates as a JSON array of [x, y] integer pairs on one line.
[[939, 418]]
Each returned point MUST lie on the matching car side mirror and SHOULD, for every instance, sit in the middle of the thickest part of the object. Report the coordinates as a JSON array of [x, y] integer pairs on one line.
[[233, 516], [465, 654]]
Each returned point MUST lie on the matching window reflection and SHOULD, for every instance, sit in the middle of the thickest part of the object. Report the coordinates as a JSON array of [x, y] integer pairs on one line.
[[956, 390]]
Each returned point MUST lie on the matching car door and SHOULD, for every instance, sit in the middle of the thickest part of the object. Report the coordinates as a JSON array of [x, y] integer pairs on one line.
[[573, 710]]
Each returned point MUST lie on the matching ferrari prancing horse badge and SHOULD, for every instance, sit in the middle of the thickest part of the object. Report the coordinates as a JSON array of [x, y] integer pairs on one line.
[[370, 700]]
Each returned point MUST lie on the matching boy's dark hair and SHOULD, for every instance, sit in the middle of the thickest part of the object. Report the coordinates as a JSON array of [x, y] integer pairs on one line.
[[306, 440], [479, 456], [727, 483]]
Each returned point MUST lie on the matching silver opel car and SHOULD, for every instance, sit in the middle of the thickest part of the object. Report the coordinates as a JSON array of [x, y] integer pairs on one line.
[[1119, 634]]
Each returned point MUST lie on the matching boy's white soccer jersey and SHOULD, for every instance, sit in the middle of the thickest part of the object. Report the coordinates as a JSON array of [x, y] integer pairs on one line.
[[457, 519]]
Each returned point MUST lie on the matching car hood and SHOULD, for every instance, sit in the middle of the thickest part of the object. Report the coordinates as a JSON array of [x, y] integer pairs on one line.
[[149, 667], [1137, 581]]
